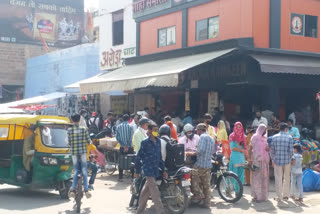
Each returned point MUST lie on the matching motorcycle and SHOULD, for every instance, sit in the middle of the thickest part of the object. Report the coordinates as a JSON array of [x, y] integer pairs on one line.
[[175, 191], [229, 186]]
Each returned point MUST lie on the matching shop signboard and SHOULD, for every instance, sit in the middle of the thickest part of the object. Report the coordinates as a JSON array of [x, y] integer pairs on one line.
[[115, 58], [119, 104], [213, 101], [187, 101], [146, 7], [58, 23], [297, 24]]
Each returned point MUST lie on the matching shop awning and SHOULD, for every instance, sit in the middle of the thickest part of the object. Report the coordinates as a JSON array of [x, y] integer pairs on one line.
[[35, 100], [161, 73], [288, 64]]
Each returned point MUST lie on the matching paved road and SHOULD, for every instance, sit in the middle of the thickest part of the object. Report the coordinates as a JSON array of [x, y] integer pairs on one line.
[[111, 197]]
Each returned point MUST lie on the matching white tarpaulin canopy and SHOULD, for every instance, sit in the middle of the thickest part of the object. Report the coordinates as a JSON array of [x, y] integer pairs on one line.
[[161, 73], [34, 100]]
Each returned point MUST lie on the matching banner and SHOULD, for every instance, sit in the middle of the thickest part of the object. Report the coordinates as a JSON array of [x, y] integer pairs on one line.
[[57, 22]]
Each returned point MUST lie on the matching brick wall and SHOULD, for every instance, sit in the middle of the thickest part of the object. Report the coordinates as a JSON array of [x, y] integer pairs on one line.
[[13, 58]]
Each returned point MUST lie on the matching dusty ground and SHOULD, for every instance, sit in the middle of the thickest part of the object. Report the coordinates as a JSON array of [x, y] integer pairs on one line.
[[111, 197]]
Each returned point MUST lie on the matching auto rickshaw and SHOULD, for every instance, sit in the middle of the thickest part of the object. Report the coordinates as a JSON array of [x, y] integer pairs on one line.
[[50, 163]]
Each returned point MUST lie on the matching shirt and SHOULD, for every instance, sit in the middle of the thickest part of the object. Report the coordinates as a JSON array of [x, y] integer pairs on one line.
[[149, 158], [268, 115], [257, 122], [281, 149], [96, 122], [296, 169], [134, 126], [294, 132], [212, 132], [124, 134], [206, 149], [83, 122], [292, 117], [190, 145], [90, 148], [138, 136], [78, 138], [187, 120]]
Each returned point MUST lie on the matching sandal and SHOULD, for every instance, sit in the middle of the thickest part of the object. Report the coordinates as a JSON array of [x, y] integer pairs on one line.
[[300, 200], [285, 198], [277, 199]]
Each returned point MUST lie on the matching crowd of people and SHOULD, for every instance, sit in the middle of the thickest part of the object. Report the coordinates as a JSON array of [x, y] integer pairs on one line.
[[249, 151]]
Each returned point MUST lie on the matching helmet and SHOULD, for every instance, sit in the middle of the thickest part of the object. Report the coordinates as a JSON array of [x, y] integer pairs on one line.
[[187, 128], [143, 120], [165, 130]]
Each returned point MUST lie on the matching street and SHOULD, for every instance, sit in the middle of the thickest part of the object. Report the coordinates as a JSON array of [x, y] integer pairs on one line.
[[112, 197]]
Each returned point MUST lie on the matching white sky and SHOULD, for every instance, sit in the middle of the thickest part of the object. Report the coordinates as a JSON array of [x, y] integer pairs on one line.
[[91, 4]]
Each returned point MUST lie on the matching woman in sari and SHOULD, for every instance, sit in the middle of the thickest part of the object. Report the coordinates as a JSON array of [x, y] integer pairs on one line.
[[238, 150], [259, 156], [222, 138]]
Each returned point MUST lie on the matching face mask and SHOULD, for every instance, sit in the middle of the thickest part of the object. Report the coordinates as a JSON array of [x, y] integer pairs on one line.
[[155, 134], [190, 136], [259, 117]]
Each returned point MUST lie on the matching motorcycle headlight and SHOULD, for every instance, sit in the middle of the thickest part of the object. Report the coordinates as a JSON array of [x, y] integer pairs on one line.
[[225, 161], [53, 161]]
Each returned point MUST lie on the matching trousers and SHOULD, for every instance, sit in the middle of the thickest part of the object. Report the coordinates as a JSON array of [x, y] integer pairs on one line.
[[282, 180], [200, 184], [80, 166], [150, 188], [296, 185]]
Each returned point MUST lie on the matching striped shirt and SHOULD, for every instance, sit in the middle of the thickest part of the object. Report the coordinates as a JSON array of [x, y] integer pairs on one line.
[[124, 134], [205, 150], [78, 138]]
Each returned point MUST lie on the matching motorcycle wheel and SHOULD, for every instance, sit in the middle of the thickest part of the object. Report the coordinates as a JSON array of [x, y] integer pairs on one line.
[[230, 187], [178, 204]]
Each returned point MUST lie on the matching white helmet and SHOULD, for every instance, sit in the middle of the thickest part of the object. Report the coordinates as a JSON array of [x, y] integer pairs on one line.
[[187, 128]]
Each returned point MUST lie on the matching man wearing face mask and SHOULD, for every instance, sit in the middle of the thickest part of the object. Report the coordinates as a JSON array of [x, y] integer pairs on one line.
[[150, 160], [293, 131], [140, 134], [259, 120], [190, 141], [210, 129]]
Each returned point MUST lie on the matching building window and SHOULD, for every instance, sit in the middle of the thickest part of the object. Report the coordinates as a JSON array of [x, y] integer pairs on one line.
[[207, 28], [167, 36], [117, 27], [311, 29]]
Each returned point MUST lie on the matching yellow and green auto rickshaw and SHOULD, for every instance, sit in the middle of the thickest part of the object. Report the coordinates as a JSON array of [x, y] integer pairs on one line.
[[34, 152]]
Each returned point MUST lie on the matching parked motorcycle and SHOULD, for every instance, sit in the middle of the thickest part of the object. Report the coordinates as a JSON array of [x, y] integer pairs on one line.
[[175, 191], [229, 186]]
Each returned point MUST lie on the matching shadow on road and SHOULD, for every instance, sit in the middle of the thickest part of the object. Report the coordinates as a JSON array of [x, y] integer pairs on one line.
[[83, 211], [23, 200], [113, 183]]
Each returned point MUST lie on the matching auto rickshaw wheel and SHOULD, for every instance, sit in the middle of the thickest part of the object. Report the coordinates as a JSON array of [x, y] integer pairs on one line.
[[64, 188]]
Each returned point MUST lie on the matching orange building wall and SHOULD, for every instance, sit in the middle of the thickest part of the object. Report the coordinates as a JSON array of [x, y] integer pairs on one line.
[[235, 17], [300, 43], [261, 23], [149, 33]]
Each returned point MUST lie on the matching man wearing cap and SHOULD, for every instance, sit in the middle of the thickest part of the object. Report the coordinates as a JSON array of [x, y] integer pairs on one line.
[[140, 134], [201, 179], [94, 120]]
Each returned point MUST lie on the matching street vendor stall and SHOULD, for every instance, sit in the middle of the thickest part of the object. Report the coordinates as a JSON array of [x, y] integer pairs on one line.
[[111, 150]]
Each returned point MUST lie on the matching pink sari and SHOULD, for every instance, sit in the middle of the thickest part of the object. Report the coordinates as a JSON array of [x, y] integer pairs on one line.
[[260, 158]]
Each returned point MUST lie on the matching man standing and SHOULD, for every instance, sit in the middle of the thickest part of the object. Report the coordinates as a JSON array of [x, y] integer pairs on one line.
[[275, 128], [78, 138], [293, 131], [259, 120], [108, 122], [210, 129], [281, 150], [140, 134], [150, 157], [83, 122], [135, 122], [94, 123], [201, 179], [124, 137], [267, 113]]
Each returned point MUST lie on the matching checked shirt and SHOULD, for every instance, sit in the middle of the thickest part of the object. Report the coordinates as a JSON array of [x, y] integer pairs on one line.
[[281, 149], [78, 138]]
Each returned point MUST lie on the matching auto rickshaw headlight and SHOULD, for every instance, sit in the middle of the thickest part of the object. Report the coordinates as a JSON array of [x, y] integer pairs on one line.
[[53, 161], [45, 160]]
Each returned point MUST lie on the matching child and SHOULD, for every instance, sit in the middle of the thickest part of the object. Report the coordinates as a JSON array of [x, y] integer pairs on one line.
[[296, 173]]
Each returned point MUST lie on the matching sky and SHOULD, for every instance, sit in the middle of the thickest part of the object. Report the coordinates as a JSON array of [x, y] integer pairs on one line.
[[91, 4]]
